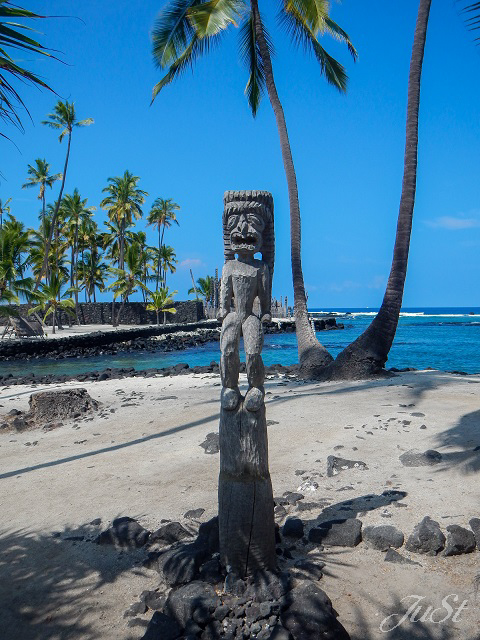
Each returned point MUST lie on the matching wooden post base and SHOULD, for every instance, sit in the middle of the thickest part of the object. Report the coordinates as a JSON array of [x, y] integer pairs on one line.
[[246, 518]]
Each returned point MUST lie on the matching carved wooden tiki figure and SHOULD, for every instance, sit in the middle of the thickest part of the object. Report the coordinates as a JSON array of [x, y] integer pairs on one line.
[[247, 535]]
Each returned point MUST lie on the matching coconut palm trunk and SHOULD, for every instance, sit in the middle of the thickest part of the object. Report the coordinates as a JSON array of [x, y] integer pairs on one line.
[[368, 354], [312, 355], [54, 217]]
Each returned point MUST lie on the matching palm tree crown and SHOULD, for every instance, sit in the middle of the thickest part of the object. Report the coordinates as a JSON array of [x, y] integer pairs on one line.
[[64, 119]]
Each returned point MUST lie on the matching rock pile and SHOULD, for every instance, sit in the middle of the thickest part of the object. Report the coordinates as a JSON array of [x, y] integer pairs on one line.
[[49, 408]]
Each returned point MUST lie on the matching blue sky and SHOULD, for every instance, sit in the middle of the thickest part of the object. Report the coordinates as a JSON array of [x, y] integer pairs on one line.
[[200, 139]]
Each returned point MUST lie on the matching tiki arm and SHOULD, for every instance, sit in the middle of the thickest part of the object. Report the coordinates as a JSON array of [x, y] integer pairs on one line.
[[264, 294], [226, 292]]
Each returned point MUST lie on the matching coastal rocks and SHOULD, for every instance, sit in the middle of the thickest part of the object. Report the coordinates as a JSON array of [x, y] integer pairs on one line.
[[293, 528], [337, 533], [48, 406], [336, 465], [170, 533], [475, 525], [459, 541], [382, 537], [414, 458], [211, 444], [124, 532], [427, 538], [311, 615], [194, 601]]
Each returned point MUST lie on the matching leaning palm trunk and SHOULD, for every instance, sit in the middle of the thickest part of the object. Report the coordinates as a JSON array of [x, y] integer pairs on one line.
[[368, 354], [312, 355]]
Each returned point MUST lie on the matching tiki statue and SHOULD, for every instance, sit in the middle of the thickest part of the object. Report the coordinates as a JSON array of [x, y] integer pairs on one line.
[[246, 284]]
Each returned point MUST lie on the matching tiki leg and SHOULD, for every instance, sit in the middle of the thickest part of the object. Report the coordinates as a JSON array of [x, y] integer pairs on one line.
[[230, 360], [253, 341]]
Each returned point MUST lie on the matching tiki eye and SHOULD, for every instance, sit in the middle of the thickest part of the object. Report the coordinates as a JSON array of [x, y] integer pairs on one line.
[[232, 221], [256, 221]]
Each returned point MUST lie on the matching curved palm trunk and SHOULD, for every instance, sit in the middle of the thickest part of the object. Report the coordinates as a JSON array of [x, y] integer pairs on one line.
[[159, 250], [54, 218], [368, 354], [312, 355]]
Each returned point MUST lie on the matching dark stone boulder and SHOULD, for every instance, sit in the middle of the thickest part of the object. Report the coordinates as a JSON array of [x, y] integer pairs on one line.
[[194, 601], [170, 533], [162, 627], [382, 537], [48, 406], [459, 541], [211, 444], [181, 565], [427, 537], [336, 465], [311, 615], [475, 525], [337, 533], [293, 528], [124, 532]]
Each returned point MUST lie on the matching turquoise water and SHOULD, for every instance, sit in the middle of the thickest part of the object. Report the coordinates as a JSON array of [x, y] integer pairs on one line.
[[443, 338]]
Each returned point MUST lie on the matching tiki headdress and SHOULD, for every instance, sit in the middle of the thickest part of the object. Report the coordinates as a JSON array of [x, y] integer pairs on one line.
[[260, 204]]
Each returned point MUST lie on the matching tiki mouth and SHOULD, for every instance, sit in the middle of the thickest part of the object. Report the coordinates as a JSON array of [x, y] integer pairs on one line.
[[248, 242]]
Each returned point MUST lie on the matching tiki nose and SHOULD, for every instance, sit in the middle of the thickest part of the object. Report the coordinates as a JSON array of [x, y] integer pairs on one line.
[[243, 226]]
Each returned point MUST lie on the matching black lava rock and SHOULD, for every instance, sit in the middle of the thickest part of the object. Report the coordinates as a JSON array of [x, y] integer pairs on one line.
[[211, 444], [397, 558], [310, 615], [337, 533], [162, 627], [195, 601], [475, 525], [382, 537], [170, 533], [336, 465], [293, 528], [459, 541], [124, 532], [427, 537]]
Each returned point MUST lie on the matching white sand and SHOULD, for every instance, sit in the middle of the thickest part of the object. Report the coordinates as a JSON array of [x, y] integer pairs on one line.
[[144, 461]]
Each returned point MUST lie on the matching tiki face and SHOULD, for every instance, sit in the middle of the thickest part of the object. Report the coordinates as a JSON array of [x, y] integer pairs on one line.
[[245, 228]]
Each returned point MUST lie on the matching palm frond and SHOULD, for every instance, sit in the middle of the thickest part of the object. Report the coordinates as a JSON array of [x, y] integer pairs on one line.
[[250, 53], [303, 35], [210, 18], [172, 32]]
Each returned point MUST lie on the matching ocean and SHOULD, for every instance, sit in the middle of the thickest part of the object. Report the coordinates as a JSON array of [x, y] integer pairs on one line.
[[444, 338]]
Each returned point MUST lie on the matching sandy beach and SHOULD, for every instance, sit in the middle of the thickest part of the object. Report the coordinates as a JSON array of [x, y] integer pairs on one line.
[[139, 456]]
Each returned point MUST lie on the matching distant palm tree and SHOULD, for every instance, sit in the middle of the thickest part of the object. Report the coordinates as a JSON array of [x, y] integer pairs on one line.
[[14, 244], [40, 176], [75, 212], [4, 208], [93, 274], [205, 287], [51, 301], [18, 41], [128, 280], [162, 301], [162, 215], [183, 32], [123, 204], [167, 263], [63, 119]]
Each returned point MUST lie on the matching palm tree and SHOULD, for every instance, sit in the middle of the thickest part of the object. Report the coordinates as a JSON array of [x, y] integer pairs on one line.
[[40, 176], [472, 17], [14, 243], [147, 256], [4, 208], [162, 215], [51, 301], [183, 32], [123, 204], [167, 259], [63, 119], [369, 352], [162, 300], [92, 274], [11, 37], [128, 280], [76, 213], [205, 287]]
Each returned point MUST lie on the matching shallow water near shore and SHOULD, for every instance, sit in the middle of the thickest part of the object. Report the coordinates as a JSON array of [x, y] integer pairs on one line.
[[443, 338]]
